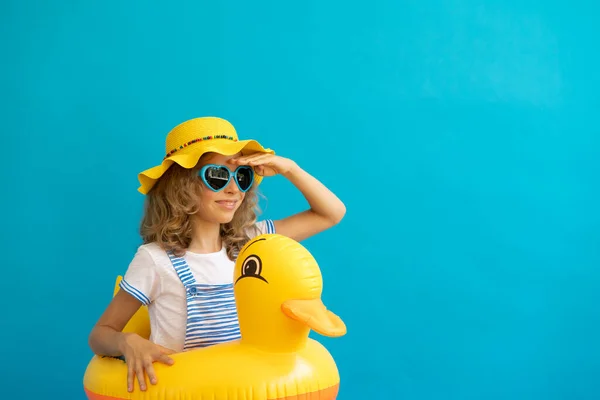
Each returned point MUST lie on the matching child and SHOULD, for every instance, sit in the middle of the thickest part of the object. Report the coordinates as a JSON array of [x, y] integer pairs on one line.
[[199, 212]]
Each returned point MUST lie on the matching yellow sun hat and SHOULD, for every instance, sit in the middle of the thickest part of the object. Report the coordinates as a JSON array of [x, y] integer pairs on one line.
[[188, 141]]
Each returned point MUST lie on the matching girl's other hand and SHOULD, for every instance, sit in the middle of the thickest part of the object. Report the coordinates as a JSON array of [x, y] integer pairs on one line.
[[266, 164], [139, 355]]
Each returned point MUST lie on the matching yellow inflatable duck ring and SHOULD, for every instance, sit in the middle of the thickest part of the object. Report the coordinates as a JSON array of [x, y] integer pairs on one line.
[[277, 286]]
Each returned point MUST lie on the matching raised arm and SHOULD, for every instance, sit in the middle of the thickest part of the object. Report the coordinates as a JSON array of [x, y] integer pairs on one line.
[[326, 209]]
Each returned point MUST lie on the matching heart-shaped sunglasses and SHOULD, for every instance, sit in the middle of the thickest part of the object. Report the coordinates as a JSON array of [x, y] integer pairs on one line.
[[216, 177]]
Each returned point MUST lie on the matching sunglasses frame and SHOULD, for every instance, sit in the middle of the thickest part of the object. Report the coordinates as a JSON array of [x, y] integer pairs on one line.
[[232, 174]]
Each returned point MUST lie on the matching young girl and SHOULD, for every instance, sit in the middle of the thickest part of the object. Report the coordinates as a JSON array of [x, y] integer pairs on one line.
[[200, 211]]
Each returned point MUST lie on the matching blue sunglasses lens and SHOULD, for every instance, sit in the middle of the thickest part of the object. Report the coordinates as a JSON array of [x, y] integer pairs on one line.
[[217, 177], [244, 178]]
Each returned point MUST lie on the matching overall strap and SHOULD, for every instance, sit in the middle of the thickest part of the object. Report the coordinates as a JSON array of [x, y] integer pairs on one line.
[[182, 269]]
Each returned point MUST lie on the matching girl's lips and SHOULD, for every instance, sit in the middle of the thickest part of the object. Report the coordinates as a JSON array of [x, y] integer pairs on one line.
[[227, 204]]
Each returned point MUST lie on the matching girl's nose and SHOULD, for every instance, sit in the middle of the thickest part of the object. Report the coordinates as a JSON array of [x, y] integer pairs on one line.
[[231, 187]]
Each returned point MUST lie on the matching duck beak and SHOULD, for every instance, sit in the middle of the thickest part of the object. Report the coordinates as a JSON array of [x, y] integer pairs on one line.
[[315, 315]]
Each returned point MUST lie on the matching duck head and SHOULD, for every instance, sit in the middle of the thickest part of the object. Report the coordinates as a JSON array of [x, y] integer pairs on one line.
[[277, 286]]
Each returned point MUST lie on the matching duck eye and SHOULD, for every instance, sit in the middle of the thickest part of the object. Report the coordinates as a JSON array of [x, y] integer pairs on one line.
[[252, 268]]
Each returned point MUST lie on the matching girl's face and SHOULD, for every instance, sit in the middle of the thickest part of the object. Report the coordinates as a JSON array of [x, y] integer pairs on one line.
[[220, 206]]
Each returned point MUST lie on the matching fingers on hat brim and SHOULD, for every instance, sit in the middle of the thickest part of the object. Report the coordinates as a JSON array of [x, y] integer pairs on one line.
[[189, 160]]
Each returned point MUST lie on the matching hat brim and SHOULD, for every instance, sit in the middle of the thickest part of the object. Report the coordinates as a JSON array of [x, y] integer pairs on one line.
[[190, 158]]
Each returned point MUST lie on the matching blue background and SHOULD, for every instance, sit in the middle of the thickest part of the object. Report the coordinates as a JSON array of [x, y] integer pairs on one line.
[[463, 137]]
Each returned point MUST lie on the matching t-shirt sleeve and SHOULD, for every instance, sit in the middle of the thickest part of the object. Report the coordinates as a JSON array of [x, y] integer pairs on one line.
[[261, 227], [141, 279]]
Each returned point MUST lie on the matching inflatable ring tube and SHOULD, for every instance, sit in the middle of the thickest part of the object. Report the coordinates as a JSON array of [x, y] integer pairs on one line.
[[278, 303]]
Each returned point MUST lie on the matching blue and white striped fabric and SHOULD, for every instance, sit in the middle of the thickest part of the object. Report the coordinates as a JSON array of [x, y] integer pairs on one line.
[[211, 312], [134, 292], [270, 226]]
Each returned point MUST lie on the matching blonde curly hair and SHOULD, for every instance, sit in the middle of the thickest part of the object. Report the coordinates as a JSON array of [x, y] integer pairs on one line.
[[172, 202]]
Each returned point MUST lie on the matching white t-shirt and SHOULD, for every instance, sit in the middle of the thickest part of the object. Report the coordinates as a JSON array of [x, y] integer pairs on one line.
[[152, 279]]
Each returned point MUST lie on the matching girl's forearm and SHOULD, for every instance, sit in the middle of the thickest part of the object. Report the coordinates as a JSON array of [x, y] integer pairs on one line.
[[322, 201], [106, 341]]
